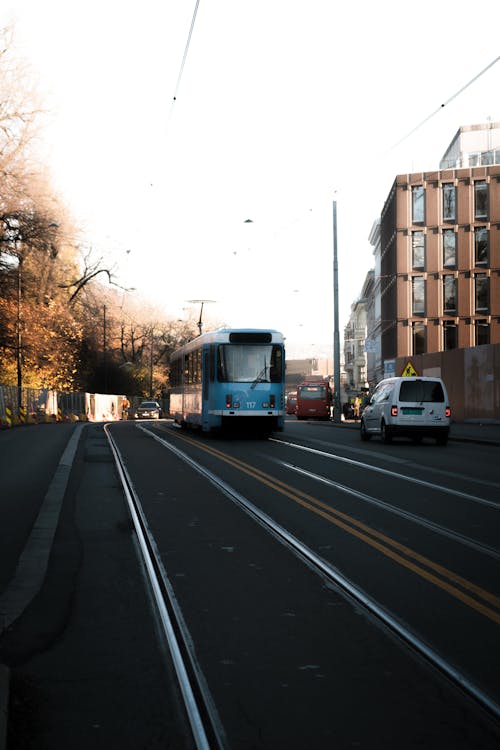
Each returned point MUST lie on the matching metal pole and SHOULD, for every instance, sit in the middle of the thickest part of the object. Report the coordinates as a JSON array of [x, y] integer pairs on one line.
[[200, 319], [105, 359], [19, 338], [200, 324], [336, 337], [151, 366]]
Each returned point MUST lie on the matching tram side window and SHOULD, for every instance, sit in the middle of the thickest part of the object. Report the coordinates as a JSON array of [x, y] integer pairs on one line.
[[276, 371], [212, 363], [176, 373], [193, 368]]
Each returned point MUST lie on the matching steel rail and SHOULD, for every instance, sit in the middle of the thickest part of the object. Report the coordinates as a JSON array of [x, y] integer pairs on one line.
[[455, 536], [389, 473], [170, 621], [350, 590]]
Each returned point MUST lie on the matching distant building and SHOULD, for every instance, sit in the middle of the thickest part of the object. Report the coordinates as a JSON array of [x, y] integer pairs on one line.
[[373, 344], [298, 370], [434, 294], [440, 252], [473, 146], [355, 359]]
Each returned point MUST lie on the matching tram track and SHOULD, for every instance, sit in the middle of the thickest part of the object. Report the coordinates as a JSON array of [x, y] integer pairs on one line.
[[332, 575], [413, 517], [206, 728], [392, 474]]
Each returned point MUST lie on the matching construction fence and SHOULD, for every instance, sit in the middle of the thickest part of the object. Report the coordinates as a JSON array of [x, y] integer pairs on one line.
[[37, 405]]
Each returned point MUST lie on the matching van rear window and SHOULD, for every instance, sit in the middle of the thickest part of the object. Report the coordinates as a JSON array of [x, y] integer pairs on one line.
[[421, 390]]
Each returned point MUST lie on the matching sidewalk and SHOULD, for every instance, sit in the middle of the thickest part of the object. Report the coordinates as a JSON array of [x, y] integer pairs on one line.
[[84, 649], [487, 433], [476, 432]]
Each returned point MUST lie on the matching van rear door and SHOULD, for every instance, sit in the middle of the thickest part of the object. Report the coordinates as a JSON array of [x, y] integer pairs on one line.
[[421, 402]]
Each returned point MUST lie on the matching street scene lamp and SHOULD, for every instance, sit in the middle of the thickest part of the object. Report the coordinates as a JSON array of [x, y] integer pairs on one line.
[[19, 334]]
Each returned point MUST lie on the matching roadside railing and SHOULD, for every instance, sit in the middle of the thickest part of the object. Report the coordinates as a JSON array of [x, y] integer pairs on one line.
[[20, 406]]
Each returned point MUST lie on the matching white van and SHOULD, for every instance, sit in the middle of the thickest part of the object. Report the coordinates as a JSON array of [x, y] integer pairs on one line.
[[414, 407]]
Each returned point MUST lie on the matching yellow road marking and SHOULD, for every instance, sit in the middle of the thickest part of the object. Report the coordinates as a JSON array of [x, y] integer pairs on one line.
[[370, 536]]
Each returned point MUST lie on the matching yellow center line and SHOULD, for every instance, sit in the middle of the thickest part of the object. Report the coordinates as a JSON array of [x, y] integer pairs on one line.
[[370, 536]]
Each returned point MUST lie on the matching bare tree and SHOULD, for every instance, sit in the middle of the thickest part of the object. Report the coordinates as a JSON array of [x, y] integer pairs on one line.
[[20, 116]]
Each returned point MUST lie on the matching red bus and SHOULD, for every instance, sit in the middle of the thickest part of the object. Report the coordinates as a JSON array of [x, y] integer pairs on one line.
[[314, 400]]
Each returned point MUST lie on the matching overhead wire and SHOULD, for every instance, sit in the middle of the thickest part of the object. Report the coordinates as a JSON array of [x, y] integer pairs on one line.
[[433, 114], [184, 57]]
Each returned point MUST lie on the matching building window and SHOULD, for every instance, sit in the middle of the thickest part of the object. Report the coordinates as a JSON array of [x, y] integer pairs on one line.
[[418, 251], [480, 200], [417, 204], [480, 246], [481, 332], [418, 295], [449, 294], [450, 336], [449, 202], [487, 157], [418, 338], [474, 159], [481, 292], [449, 248]]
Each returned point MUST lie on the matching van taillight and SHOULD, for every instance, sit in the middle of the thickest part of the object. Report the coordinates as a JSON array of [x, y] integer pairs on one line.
[[394, 411], [229, 401], [447, 412]]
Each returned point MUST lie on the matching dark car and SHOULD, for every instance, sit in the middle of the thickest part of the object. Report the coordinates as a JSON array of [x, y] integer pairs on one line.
[[291, 403], [148, 410]]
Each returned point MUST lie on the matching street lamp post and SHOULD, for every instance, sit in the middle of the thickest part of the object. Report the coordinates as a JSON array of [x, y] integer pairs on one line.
[[19, 335], [336, 336], [151, 365], [104, 352]]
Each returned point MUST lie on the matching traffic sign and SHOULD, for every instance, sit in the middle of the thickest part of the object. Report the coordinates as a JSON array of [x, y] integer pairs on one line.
[[408, 370]]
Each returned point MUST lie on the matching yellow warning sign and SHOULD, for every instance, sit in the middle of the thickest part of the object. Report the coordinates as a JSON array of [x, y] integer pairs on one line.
[[408, 370]]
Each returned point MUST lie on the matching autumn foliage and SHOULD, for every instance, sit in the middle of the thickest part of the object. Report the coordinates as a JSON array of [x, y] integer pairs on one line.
[[65, 321]]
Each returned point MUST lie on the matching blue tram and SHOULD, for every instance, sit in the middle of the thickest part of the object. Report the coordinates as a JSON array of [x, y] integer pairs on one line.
[[230, 378]]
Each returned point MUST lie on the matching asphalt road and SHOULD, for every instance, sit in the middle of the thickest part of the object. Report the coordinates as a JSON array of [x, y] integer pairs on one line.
[[83, 656], [289, 660]]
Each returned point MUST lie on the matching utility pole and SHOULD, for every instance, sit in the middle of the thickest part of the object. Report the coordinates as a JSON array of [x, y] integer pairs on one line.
[[105, 358], [151, 366], [336, 337], [19, 335]]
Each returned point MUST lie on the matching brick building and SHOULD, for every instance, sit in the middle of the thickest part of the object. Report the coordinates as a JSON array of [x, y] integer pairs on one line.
[[440, 252], [434, 297]]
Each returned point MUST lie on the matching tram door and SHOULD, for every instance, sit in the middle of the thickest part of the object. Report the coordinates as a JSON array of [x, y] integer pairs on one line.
[[206, 394]]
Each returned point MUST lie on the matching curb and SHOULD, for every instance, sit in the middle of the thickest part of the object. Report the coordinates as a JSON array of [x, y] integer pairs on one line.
[[4, 704], [478, 439]]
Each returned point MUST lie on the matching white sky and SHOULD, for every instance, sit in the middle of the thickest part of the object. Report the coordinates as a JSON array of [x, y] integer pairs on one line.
[[283, 107]]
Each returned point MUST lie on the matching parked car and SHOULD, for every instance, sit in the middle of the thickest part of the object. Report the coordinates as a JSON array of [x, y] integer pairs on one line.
[[414, 407], [148, 410]]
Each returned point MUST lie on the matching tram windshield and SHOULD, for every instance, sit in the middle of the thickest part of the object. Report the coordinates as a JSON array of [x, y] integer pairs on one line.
[[247, 363]]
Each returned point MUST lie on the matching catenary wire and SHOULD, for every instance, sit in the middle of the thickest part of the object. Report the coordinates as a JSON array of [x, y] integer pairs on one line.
[[445, 103], [184, 57]]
